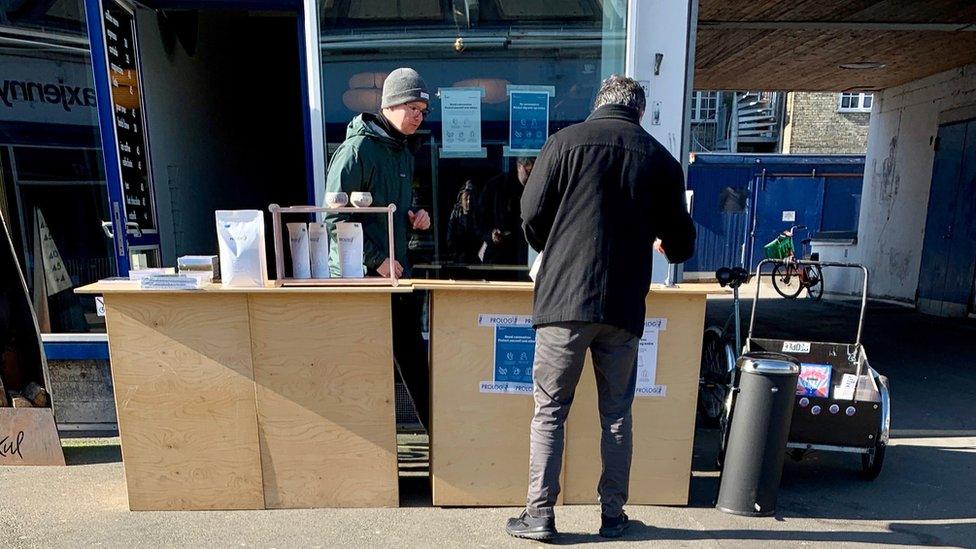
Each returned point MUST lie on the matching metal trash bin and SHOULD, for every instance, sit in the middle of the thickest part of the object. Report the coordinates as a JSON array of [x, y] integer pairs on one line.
[[760, 427]]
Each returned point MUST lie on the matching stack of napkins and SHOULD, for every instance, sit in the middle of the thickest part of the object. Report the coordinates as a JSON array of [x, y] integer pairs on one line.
[[139, 274], [171, 282]]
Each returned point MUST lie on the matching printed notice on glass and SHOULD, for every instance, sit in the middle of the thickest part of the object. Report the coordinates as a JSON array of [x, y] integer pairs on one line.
[[528, 122], [647, 360], [513, 352], [461, 123]]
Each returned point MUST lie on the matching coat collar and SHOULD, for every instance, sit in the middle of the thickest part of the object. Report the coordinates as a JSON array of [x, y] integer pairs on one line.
[[619, 112]]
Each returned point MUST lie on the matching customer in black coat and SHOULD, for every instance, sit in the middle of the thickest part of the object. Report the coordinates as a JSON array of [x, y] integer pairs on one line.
[[601, 193]]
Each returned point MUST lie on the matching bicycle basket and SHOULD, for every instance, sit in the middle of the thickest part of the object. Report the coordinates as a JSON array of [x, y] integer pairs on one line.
[[779, 248]]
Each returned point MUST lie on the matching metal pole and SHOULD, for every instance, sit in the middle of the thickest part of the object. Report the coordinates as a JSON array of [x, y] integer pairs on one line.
[[389, 229]]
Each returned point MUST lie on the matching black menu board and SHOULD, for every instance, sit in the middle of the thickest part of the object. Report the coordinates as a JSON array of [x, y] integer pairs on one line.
[[127, 107]]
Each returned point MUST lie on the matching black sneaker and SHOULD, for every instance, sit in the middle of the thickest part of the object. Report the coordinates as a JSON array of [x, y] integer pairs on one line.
[[613, 527], [527, 527]]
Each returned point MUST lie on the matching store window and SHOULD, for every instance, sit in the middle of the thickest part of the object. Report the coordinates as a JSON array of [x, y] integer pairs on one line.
[[855, 102], [52, 190], [505, 74]]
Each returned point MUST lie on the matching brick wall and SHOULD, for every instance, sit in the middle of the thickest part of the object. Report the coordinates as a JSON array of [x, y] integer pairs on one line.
[[813, 126]]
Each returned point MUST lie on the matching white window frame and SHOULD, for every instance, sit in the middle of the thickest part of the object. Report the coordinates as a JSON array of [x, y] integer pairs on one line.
[[697, 99], [858, 100]]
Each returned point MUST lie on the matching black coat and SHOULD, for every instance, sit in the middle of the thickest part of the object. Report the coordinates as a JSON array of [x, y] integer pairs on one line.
[[601, 191]]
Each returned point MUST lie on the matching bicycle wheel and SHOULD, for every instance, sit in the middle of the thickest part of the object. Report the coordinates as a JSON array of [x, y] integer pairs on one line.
[[713, 380], [786, 280], [814, 282]]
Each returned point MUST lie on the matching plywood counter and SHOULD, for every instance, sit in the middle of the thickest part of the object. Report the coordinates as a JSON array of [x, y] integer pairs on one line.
[[254, 398], [480, 441]]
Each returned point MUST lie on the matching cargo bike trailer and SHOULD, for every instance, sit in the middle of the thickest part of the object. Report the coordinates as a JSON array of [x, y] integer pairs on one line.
[[852, 418]]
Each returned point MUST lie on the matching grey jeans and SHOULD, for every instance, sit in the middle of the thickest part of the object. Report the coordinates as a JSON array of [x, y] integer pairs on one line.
[[560, 350]]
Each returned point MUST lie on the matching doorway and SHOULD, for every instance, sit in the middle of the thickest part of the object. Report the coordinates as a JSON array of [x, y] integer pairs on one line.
[[223, 107], [946, 279]]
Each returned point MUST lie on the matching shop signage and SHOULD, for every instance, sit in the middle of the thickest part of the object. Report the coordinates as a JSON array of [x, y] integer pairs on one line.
[[48, 258], [44, 91], [528, 121], [461, 123], [127, 108]]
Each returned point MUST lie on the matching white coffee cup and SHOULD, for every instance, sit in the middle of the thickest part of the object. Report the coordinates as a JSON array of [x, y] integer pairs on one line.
[[361, 199], [336, 200]]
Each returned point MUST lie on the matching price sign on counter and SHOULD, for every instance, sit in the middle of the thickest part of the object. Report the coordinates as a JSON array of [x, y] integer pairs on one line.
[[122, 62]]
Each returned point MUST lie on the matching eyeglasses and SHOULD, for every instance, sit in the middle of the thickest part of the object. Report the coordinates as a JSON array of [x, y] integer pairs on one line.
[[415, 111]]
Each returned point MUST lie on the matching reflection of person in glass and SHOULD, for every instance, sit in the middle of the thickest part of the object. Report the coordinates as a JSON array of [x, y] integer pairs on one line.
[[502, 239], [463, 231]]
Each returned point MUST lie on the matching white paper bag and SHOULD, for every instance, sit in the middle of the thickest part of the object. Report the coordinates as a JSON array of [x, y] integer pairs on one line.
[[318, 241], [300, 258], [350, 237], [240, 235]]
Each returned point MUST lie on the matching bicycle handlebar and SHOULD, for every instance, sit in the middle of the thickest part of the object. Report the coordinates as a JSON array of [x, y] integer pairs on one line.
[[864, 290]]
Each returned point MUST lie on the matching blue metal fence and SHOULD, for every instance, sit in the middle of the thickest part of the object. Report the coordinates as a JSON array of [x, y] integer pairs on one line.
[[744, 201]]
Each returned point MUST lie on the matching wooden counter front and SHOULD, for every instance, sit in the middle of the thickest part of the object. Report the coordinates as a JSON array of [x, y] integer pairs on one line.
[[233, 398], [480, 442]]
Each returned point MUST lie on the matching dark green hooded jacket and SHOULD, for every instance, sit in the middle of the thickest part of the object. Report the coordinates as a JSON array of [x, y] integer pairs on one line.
[[371, 160]]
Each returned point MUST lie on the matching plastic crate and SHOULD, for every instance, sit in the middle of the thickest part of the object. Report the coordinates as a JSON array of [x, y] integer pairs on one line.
[[780, 248]]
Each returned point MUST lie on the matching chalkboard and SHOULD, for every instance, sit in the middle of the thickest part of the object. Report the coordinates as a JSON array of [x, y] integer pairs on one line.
[[127, 108]]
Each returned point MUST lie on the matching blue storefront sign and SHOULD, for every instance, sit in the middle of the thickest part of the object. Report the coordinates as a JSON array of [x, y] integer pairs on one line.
[[529, 121], [514, 351]]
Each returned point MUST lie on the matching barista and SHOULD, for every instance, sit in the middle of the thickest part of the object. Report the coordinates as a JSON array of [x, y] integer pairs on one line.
[[378, 157]]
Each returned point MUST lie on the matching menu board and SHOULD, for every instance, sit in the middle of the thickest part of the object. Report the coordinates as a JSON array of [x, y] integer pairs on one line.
[[127, 108]]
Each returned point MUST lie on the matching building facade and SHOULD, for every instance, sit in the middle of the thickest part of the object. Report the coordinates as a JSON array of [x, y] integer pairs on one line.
[[826, 123]]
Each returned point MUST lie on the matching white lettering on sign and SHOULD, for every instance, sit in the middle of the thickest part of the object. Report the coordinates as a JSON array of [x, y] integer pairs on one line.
[[796, 347], [488, 319], [100, 305]]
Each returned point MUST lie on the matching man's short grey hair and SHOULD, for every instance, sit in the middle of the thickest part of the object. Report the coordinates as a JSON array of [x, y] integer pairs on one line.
[[620, 90]]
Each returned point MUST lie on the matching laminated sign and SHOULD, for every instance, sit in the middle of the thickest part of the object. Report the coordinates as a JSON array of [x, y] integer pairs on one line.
[[647, 360], [513, 353]]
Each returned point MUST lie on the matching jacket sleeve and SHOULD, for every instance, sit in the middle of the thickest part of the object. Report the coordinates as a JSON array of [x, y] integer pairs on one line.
[[347, 174], [675, 226], [541, 197]]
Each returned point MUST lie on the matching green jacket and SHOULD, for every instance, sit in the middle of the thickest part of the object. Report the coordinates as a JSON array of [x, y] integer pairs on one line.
[[370, 160]]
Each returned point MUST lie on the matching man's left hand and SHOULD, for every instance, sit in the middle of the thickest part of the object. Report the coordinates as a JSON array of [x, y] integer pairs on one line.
[[419, 220]]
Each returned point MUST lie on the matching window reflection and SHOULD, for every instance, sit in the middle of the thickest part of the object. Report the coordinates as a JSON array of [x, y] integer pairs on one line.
[[568, 46], [51, 180]]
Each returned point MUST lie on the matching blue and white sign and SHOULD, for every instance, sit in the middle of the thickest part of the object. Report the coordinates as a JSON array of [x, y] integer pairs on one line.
[[513, 353], [528, 121]]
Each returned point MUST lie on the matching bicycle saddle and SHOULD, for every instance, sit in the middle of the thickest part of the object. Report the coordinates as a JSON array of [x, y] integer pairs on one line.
[[732, 277]]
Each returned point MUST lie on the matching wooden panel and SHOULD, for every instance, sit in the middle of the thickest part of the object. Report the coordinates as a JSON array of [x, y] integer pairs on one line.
[[943, 11], [132, 287], [184, 393], [28, 436], [323, 366], [479, 442], [809, 59], [664, 428]]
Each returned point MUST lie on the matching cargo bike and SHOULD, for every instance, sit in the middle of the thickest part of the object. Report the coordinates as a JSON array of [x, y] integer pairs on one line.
[[842, 403]]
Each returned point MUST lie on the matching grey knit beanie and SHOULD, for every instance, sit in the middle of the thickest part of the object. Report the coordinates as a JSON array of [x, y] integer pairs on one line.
[[403, 86]]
